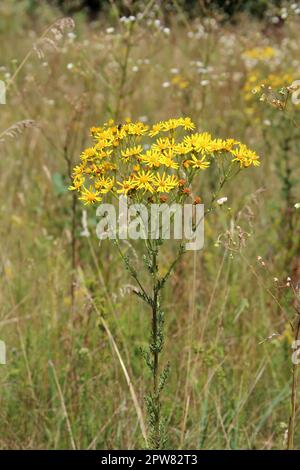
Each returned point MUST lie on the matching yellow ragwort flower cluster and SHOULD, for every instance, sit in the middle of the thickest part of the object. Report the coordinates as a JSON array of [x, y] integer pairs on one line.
[[260, 53], [256, 80], [146, 163]]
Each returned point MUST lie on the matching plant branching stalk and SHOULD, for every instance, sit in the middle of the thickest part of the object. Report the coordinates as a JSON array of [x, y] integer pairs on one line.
[[151, 354], [291, 428], [155, 351], [68, 160]]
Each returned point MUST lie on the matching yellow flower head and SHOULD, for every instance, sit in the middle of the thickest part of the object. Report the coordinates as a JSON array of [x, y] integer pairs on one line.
[[125, 186], [137, 129], [156, 129], [165, 183], [202, 143], [144, 180], [151, 159], [167, 160], [89, 196], [245, 157], [131, 152], [163, 144], [77, 183], [78, 170], [88, 154], [199, 163], [220, 145], [104, 185]]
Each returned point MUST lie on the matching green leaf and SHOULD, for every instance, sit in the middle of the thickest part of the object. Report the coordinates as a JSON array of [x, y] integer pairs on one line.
[[59, 185]]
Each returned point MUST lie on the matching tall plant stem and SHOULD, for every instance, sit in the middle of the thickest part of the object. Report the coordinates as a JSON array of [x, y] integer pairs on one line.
[[291, 429], [68, 160], [124, 69], [155, 352], [73, 247]]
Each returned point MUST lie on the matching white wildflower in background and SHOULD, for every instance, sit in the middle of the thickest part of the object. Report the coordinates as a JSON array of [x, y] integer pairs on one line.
[[71, 36], [127, 19], [222, 200], [267, 122]]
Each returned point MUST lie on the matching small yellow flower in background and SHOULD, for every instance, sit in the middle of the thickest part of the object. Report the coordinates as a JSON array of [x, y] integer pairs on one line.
[[255, 82], [287, 336], [180, 82], [8, 270], [261, 53]]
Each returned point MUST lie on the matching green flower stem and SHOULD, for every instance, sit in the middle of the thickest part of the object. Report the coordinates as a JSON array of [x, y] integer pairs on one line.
[[155, 351]]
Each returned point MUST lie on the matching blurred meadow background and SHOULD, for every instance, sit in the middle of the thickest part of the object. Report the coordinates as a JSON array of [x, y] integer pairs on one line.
[[74, 376]]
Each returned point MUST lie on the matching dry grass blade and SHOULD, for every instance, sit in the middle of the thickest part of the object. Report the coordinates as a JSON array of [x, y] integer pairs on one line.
[[56, 31], [51, 38], [128, 380], [63, 405], [17, 129], [124, 369]]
